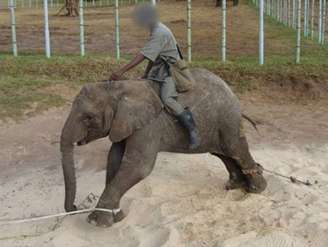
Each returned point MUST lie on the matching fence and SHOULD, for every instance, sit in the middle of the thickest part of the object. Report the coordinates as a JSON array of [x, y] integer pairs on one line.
[[297, 15]]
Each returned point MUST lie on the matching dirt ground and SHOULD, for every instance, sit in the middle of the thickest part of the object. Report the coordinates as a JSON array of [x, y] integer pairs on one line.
[[182, 203], [242, 29]]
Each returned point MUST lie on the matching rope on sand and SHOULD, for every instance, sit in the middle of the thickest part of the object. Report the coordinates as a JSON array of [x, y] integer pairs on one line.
[[82, 211], [291, 178]]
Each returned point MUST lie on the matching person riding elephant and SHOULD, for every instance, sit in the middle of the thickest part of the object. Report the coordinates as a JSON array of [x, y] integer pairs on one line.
[[161, 51], [130, 113]]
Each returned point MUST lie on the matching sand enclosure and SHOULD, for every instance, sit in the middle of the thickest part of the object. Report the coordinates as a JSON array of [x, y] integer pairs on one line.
[[183, 202]]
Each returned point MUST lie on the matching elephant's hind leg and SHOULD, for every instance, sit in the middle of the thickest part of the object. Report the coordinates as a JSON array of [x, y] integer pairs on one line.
[[237, 149], [237, 179]]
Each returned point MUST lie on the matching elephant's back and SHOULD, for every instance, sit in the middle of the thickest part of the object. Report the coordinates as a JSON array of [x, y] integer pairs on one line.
[[215, 108], [209, 89]]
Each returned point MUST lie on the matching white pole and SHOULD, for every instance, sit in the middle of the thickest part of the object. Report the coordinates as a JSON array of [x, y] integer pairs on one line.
[[153, 2], [299, 24], [294, 13], [117, 30], [224, 30], [82, 47], [305, 17], [261, 32], [312, 18], [189, 29], [320, 21], [13, 27], [324, 9], [46, 28]]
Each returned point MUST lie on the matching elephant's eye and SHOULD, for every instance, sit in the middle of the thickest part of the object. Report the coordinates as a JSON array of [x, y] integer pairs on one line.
[[87, 120]]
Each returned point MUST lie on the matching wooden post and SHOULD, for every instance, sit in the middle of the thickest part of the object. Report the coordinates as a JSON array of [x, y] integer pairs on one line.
[[13, 27], [117, 30], [224, 30], [299, 27], [189, 37]]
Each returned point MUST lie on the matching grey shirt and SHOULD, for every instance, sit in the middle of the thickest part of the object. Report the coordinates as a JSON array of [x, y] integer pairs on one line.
[[161, 43]]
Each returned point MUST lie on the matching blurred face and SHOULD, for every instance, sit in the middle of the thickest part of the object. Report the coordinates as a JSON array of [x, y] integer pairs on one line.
[[145, 16]]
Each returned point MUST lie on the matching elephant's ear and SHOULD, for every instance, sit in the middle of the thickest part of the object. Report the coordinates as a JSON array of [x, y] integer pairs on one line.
[[138, 106]]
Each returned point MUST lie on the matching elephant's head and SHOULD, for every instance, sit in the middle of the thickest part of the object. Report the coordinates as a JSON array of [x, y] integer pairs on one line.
[[115, 109]]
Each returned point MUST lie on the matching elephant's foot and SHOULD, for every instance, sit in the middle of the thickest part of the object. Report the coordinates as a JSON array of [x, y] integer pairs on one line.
[[101, 219], [256, 183], [105, 219], [234, 184]]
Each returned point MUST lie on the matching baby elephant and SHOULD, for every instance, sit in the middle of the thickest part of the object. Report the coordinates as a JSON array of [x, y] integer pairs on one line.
[[131, 114]]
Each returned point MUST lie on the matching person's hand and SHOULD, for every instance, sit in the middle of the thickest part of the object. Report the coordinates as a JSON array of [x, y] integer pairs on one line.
[[115, 76]]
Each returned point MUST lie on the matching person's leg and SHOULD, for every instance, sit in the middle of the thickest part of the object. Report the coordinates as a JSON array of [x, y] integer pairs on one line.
[[169, 96]]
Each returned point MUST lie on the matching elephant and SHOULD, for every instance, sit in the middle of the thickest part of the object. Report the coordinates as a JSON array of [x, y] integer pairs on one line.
[[219, 3], [131, 114]]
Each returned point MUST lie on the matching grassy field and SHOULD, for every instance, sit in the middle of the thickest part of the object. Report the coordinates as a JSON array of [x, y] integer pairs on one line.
[[32, 83]]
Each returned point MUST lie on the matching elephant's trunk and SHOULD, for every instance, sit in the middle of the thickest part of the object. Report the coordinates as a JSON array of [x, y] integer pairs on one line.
[[67, 148]]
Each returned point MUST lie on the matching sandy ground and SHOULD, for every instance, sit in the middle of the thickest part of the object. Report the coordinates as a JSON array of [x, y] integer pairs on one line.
[[183, 202]]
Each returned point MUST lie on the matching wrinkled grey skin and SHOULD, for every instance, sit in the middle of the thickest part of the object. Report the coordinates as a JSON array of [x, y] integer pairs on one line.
[[132, 115]]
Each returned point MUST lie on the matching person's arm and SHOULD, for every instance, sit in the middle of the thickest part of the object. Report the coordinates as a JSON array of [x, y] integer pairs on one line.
[[133, 63]]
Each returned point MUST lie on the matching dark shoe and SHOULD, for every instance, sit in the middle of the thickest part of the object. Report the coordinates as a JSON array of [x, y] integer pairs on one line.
[[187, 121]]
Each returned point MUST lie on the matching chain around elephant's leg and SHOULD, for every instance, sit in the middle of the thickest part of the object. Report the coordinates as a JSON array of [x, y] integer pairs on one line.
[[256, 183]]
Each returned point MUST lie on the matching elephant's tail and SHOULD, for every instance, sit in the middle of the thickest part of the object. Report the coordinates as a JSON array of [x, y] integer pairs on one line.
[[252, 122]]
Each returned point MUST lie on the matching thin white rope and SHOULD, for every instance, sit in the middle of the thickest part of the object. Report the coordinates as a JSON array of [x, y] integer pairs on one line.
[[82, 211]]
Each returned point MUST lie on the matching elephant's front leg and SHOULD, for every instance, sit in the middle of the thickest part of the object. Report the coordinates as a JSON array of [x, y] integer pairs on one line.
[[137, 163]]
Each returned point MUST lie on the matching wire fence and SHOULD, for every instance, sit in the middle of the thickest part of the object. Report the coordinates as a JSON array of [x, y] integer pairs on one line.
[[25, 4], [261, 28]]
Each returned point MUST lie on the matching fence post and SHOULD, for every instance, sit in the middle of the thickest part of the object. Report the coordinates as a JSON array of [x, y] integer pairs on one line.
[[13, 27], [261, 32], [320, 22], [324, 6], [82, 47], [294, 13], [117, 30], [299, 24], [312, 18], [189, 29], [224, 30], [305, 17], [46, 28]]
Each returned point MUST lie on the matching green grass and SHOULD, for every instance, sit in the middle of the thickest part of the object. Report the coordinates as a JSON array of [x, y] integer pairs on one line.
[[24, 80]]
